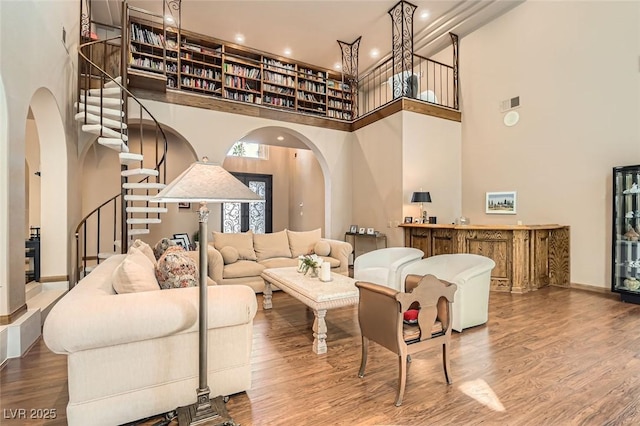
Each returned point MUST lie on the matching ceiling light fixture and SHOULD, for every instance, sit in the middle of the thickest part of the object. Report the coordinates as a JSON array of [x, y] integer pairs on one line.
[[287, 51], [169, 19], [280, 138], [239, 38], [374, 53], [424, 15], [338, 66]]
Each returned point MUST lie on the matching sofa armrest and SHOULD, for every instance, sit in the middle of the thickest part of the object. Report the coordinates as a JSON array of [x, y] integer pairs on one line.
[[216, 264], [83, 323], [340, 250]]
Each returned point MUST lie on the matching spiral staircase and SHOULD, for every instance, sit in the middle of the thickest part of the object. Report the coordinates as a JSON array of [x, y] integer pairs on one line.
[[103, 109]]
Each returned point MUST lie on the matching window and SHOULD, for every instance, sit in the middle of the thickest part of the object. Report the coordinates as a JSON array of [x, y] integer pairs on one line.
[[249, 150]]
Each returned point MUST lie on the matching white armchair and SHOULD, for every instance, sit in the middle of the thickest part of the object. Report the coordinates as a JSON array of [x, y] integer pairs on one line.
[[471, 273], [384, 266]]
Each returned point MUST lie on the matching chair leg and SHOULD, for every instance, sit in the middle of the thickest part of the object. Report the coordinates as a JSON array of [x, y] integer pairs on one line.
[[402, 379], [365, 351], [445, 362]]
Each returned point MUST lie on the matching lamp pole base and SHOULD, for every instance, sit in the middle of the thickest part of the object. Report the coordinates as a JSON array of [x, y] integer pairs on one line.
[[213, 413]]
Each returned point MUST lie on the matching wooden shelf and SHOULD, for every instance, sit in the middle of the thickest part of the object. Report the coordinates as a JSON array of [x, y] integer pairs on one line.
[[238, 73]]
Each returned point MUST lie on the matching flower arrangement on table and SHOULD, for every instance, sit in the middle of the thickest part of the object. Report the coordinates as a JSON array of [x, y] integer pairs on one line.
[[309, 262]]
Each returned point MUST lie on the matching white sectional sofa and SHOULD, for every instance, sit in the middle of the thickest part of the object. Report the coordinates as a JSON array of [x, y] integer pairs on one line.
[[134, 355]]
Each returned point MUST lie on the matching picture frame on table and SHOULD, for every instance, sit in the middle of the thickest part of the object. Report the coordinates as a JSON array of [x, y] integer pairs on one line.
[[408, 219], [179, 242], [500, 202], [184, 205], [371, 231], [361, 231], [186, 242], [353, 229]]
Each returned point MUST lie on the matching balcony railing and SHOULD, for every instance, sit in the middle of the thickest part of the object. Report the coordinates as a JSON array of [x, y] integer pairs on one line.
[[430, 81]]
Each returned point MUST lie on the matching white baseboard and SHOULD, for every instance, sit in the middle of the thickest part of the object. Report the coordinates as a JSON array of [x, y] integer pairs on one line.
[[4, 344], [23, 333]]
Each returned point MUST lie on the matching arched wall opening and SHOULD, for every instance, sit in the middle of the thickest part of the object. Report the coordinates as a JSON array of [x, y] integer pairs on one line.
[[301, 189], [54, 235]]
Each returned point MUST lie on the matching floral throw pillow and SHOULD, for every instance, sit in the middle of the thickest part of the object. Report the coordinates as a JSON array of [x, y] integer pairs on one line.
[[176, 269]]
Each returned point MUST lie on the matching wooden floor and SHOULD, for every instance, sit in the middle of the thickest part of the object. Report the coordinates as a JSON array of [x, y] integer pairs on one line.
[[552, 357]]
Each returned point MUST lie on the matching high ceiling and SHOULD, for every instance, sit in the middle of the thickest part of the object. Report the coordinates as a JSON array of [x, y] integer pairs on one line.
[[310, 28]]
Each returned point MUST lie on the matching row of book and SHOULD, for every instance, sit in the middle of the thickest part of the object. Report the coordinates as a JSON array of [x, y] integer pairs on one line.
[[198, 83], [285, 80], [243, 97], [147, 63], [279, 65], [143, 35], [309, 97], [339, 114], [278, 89], [201, 72], [313, 87], [241, 83], [241, 71], [281, 102]]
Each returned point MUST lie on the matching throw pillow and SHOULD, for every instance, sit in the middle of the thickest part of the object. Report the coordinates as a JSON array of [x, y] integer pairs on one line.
[[161, 246], [146, 249], [176, 269], [302, 243], [229, 255], [271, 245], [243, 242], [134, 274], [322, 248]]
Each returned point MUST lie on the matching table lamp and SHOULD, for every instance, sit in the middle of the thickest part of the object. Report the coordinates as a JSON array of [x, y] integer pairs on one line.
[[421, 197], [205, 182]]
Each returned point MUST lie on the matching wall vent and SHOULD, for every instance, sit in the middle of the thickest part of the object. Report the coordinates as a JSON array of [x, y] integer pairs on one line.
[[510, 104]]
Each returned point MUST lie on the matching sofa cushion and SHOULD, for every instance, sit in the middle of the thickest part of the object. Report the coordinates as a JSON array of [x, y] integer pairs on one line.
[[271, 245], [134, 274], [302, 243], [195, 255], [146, 249], [279, 262], [161, 246], [322, 248], [176, 269], [243, 242], [229, 254], [242, 268]]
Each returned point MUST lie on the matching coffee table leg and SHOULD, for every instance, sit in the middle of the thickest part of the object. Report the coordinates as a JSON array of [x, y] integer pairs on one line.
[[319, 332], [266, 295]]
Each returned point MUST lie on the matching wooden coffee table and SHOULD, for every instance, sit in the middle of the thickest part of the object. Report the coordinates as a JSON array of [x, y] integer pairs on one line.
[[318, 295]]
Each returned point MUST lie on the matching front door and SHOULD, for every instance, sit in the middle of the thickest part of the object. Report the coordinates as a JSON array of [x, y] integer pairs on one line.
[[241, 217]]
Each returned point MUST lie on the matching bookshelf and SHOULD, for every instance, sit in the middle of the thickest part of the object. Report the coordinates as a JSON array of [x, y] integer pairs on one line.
[[201, 64]]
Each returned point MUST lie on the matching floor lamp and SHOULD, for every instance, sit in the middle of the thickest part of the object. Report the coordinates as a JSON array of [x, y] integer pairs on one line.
[[203, 183]]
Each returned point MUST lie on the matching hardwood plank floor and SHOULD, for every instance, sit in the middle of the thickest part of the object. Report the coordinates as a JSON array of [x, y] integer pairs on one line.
[[551, 357]]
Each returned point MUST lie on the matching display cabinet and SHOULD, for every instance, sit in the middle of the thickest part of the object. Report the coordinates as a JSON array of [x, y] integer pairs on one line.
[[625, 267]]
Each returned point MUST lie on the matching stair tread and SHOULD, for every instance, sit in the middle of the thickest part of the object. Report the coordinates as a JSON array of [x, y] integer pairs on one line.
[[115, 144], [110, 83], [140, 171], [95, 100], [133, 209], [136, 231], [95, 109], [141, 221], [97, 129], [144, 185], [95, 119], [128, 158]]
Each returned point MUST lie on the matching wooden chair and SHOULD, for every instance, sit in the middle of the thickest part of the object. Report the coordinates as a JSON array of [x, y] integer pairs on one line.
[[381, 315]]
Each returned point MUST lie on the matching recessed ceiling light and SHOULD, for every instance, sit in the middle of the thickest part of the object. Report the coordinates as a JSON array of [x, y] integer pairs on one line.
[[280, 138], [287, 51], [424, 14], [374, 53], [169, 19], [239, 38], [338, 66]]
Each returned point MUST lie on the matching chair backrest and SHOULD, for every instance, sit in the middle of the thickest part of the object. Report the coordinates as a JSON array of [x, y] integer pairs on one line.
[[450, 267]]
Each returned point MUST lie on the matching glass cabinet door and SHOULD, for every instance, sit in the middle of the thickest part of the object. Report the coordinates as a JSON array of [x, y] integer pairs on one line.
[[626, 233]]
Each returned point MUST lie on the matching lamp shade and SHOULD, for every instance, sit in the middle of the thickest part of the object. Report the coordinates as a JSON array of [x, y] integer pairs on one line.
[[421, 197], [206, 182]]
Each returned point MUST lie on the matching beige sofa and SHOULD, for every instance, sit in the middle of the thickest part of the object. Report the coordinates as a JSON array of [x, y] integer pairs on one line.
[[134, 355], [240, 258]]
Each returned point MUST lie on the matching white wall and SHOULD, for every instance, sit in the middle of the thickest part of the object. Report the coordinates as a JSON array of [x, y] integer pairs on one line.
[[575, 67], [38, 61]]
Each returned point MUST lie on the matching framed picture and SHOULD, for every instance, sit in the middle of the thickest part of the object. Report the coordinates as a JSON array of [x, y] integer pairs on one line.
[[186, 243], [371, 231], [353, 229], [501, 202], [408, 219], [184, 205], [361, 231], [180, 242]]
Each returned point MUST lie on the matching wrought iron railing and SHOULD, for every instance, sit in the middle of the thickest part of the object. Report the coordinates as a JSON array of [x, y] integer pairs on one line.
[[430, 81]]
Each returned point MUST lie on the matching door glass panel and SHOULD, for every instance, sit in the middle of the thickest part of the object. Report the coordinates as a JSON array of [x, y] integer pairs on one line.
[[257, 219], [231, 215]]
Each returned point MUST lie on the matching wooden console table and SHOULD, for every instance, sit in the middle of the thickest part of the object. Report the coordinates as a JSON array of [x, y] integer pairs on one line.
[[527, 257]]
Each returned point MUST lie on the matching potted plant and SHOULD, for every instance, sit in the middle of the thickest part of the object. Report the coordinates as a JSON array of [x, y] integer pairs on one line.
[[310, 262]]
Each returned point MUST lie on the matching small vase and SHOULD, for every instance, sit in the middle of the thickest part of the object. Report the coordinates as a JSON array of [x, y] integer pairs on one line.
[[313, 272]]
